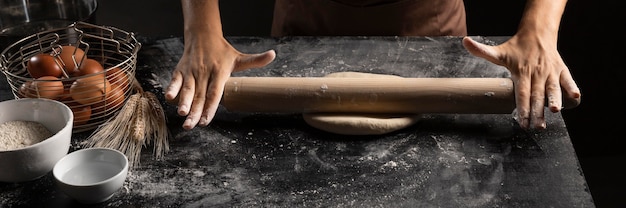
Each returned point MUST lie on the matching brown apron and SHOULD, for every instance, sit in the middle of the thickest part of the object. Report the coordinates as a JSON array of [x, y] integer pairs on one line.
[[369, 18]]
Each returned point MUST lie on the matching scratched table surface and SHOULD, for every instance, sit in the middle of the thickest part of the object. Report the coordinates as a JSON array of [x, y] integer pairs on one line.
[[276, 160]]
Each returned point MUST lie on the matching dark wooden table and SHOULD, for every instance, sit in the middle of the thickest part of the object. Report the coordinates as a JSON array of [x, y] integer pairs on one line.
[[276, 160]]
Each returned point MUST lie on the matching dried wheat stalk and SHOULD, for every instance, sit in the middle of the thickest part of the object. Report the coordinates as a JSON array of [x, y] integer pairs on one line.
[[159, 126], [147, 124]]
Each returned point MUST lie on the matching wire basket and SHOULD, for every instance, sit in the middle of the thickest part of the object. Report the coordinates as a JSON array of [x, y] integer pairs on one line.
[[92, 70]]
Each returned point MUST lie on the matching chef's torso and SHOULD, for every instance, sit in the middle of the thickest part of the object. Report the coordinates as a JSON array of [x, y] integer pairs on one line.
[[369, 17]]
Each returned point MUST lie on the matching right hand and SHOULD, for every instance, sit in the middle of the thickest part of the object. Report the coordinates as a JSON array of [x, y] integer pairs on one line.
[[201, 73]]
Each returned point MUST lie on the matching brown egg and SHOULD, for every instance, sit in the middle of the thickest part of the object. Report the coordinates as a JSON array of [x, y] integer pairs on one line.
[[117, 76], [90, 90], [66, 93], [70, 57], [43, 65], [47, 87], [82, 113], [115, 98], [89, 66], [113, 101]]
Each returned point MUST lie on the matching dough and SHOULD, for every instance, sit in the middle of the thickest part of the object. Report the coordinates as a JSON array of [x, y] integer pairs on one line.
[[360, 124]]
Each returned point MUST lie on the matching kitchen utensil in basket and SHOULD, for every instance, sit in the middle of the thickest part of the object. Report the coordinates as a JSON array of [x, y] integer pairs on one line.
[[115, 49]]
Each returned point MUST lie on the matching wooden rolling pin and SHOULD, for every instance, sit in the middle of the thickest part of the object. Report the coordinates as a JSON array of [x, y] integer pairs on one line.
[[371, 95]]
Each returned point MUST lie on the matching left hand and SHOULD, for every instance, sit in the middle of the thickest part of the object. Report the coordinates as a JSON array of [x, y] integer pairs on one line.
[[538, 72]]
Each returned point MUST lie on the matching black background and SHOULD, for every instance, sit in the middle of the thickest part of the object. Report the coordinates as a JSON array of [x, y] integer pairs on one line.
[[591, 44]]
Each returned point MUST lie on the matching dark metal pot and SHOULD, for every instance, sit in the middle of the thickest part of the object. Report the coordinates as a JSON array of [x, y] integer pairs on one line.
[[20, 18]]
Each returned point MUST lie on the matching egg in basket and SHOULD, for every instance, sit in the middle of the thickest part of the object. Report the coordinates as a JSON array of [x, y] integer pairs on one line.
[[88, 67]]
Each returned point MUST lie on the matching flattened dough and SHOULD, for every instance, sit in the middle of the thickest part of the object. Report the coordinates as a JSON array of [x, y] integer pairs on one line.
[[360, 124]]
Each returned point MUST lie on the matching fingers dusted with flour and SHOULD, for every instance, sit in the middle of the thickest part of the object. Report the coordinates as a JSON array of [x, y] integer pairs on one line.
[[208, 59], [536, 66], [536, 85]]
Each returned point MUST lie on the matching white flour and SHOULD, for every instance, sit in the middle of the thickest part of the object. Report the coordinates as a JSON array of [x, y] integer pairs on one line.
[[18, 134]]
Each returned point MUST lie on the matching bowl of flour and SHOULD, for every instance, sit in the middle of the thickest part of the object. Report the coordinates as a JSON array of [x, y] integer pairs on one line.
[[35, 133]]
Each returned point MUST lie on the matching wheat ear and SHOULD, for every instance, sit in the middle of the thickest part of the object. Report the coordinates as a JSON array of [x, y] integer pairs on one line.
[[158, 124], [147, 124], [112, 134]]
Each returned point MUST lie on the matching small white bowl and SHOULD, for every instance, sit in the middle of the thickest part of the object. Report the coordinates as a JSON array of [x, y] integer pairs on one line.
[[91, 175], [32, 162]]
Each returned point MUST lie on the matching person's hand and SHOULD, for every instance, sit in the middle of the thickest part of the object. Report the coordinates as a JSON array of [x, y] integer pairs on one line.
[[538, 72], [201, 73]]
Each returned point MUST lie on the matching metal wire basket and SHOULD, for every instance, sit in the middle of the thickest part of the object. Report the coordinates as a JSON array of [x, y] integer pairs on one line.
[[93, 97]]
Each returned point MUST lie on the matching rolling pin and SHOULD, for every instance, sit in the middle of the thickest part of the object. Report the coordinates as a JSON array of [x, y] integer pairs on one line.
[[371, 95]]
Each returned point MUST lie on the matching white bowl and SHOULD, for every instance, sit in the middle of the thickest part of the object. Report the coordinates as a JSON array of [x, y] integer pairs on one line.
[[32, 162], [91, 175]]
